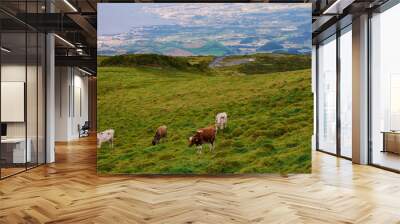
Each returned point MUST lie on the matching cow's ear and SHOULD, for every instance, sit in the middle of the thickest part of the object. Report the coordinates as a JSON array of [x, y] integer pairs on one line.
[[200, 131]]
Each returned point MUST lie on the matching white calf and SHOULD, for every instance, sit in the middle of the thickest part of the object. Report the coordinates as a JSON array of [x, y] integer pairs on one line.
[[105, 136], [221, 120]]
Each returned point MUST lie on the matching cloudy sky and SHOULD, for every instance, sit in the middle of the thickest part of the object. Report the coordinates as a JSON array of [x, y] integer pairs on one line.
[[116, 18]]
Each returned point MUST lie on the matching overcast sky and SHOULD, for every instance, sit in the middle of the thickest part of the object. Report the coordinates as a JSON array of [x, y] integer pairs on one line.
[[116, 18], [120, 17]]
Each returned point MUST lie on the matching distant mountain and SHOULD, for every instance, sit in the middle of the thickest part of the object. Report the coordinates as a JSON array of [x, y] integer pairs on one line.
[[270, 46], [211, 48], [218, 35], [248, 40]]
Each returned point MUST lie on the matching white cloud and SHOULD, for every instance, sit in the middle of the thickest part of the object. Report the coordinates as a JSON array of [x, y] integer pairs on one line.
[[186, 14]]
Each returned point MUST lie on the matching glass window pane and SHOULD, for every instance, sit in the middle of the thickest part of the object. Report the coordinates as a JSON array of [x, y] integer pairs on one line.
[[327, 95], [346, 93], [385, 89], [13, 86], [41, 98], [22, 88], [31, 97]]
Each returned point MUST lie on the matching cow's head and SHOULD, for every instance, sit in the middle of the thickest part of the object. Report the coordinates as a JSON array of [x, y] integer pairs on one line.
[[156, 139], [191, 141], [195, 139]]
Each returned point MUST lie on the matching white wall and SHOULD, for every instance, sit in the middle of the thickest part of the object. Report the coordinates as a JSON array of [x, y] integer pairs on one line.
[[70, 83], [62, 81], [80, 110], [13, 72]]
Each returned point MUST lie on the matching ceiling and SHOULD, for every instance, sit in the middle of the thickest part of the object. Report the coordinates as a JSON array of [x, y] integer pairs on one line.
[[328, 15], [75, 22]]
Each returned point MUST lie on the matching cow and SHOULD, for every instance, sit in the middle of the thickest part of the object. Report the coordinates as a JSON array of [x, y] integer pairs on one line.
[[203, 136], [221, 120], [161, 132], [105, 136]]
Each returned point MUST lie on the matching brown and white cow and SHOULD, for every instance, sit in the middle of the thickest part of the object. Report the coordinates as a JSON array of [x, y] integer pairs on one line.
[[203, 136], [160, 133]]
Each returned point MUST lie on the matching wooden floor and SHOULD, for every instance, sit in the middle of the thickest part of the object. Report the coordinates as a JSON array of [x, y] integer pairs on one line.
[[69, 191], [5, 172], [387, 159]]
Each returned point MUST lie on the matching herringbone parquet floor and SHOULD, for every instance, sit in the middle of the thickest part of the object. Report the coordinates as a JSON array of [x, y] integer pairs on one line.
[[69, 191]]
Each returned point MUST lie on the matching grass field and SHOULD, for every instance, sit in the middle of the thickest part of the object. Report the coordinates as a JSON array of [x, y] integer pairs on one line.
[[270, 118]]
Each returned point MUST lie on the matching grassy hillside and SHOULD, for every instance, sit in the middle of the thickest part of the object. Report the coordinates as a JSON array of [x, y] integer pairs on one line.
[[100, 59], [156, 61], [267, 63], [269, 129], [263, 63]]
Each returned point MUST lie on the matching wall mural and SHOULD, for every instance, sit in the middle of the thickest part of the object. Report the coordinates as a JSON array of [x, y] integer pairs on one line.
[[204, 88]]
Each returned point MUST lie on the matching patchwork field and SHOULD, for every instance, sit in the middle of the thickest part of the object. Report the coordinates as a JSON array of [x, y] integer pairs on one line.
[[269, 111]]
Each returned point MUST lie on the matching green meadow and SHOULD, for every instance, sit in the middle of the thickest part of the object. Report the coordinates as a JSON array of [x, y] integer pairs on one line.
[[268, 101]]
